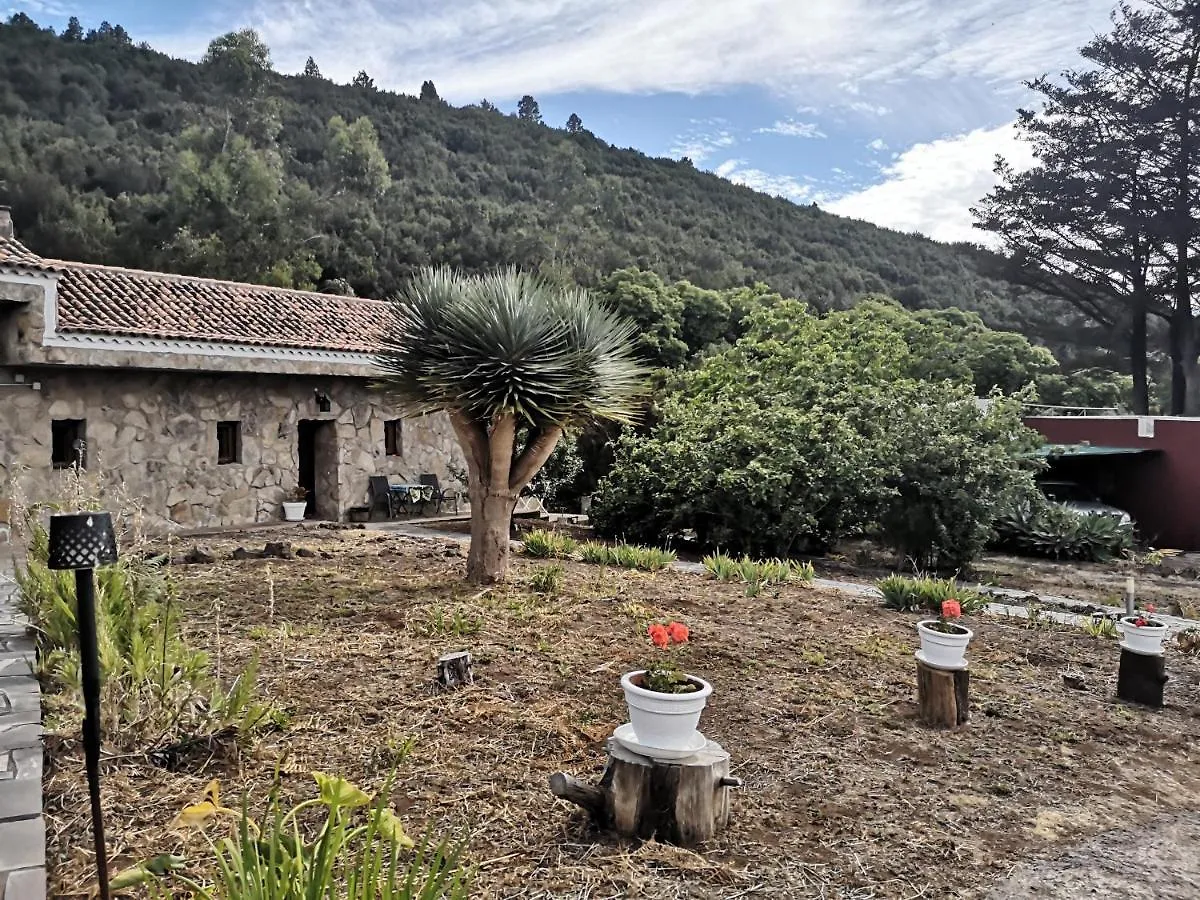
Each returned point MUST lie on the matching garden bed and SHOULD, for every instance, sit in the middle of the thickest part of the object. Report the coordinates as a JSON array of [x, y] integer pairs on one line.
[[815, 699]]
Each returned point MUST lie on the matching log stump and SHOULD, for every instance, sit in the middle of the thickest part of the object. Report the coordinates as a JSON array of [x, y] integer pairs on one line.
[[455, 670], [943, 696], [1141, 678], [683, 802]]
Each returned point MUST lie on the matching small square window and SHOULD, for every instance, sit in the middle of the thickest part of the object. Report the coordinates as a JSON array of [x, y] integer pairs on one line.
[[393, 437], [68, 443], [229, 442]]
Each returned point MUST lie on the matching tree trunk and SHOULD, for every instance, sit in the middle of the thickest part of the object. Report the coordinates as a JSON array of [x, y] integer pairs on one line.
[[1137, 358], [491, 523]]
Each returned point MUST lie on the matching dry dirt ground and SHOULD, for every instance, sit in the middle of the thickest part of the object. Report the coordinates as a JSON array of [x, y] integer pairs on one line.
[[846, 794]]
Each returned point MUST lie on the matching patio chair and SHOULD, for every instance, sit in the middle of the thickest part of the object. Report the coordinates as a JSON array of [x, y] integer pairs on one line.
[[382, 495], [440, 496]]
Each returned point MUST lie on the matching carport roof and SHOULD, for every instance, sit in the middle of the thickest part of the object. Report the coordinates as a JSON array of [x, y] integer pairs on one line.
[[1063, 450]]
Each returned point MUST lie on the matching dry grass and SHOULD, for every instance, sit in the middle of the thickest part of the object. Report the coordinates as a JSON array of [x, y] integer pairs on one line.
[[846, 795]]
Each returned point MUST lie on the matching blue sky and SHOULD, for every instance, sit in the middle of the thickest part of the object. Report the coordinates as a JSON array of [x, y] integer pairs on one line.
[[885, 110]]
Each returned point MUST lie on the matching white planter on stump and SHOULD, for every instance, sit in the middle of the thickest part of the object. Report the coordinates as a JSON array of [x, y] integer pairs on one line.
[[941, 649], [665, 721], [1144, 639]]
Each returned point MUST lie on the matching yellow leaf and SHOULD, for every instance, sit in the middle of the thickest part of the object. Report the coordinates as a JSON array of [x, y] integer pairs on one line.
[[196, 814], [337, 791], [392, 828]]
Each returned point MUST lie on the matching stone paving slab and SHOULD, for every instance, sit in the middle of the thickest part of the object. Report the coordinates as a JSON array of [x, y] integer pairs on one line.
[[21, 782], [22, 844], [24, 884]]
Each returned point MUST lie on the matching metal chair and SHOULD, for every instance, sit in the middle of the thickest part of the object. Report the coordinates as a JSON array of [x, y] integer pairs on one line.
[[440, 496], [382, 495]]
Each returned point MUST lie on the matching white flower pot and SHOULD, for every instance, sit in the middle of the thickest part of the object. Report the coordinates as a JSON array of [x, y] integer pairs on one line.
[[942, 650], [293, 510], [664, 721], [1146, 639]]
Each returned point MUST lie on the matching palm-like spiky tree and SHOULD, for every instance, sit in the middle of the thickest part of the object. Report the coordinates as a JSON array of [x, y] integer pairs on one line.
[[506, 354]]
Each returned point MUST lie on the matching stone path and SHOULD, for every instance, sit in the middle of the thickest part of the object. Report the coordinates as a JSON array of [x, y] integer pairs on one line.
[[22, 831], [1159, 861]]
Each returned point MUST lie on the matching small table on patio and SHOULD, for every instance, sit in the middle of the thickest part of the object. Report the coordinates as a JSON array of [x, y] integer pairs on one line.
[[411, 496]]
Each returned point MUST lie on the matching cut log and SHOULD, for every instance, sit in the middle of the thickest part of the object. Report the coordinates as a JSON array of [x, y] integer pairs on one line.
[[943, 696], [454, 670], [684, 802], [1141, 678]]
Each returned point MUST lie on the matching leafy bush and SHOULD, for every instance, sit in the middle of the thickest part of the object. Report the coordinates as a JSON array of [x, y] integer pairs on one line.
[[556, 483], [1041, 528], [925, 594], [356, 856], [546, 579], [542, 544], [812, 429], [153, 684], [626, 556]]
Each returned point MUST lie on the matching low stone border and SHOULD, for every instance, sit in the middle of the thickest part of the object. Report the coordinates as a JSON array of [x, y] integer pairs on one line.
[[22, 830]]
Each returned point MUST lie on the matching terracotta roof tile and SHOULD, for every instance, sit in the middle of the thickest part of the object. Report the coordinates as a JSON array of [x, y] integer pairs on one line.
[[128, 302]]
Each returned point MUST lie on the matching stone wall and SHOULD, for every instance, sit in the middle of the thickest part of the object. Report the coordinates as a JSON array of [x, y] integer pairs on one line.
[[156, 432]]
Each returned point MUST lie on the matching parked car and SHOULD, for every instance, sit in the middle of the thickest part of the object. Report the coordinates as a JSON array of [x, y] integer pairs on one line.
[[1081, 500]]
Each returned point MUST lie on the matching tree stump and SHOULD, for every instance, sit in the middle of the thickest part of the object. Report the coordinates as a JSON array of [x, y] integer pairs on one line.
[[454, 669], [684, 802], [1141, 678], [943, 696]]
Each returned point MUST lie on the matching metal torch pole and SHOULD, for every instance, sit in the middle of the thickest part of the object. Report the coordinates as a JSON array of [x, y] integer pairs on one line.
[[89, 658]]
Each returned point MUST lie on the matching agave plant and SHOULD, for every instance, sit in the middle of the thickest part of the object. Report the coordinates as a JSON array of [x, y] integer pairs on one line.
[[507, 354]]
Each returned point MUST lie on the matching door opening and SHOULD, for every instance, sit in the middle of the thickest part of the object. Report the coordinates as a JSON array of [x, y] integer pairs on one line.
[[317, 446]]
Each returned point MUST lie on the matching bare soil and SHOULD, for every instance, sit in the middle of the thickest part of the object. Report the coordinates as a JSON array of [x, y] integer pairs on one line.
[[846, 794]]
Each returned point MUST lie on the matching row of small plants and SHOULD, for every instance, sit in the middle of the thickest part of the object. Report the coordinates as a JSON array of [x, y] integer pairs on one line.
[[756, 574], [925, 594], [543, 544], [1051, 530]]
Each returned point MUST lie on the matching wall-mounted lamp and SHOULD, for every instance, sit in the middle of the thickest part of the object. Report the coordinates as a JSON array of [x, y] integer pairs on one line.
[[83, 541], [324, 404]]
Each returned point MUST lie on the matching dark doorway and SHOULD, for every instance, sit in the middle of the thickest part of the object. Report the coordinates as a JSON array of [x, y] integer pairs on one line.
[[317, 447]]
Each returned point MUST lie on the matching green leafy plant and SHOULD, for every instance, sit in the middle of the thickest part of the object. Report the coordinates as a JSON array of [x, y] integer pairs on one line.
[[153, 683], [546, 579], [1040, 528], [439, 621], [359, 851], [543, 544], [1101, 626], [663, 674], [925, 594], [627, 556]]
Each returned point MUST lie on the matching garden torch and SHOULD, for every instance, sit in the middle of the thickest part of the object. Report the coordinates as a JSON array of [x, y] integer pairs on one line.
[[83, 541]]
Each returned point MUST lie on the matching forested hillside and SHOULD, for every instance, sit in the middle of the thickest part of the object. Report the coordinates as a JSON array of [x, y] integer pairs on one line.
[[115, 153]]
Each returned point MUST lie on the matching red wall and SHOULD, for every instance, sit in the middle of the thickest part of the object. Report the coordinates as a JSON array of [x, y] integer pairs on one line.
[[1161, 490]]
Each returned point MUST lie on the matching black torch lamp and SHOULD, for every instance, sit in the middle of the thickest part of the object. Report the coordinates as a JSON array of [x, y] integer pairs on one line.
[[83, 541]]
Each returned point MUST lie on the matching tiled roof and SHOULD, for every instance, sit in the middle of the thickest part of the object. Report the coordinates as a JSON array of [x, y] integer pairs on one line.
[[128, 302], [14, 254]]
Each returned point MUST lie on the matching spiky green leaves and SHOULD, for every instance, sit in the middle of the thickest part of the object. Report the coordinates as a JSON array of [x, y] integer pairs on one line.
[[510, 342]]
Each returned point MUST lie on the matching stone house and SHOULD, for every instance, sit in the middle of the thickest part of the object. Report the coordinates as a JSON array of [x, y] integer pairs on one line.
[[209, 400]]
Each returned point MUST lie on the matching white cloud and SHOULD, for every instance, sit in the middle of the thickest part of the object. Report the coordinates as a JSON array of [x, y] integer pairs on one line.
[[864, 108], [814, 50], [878, 145], [703, 140], [930, 187], [792, 128], [739, 172]]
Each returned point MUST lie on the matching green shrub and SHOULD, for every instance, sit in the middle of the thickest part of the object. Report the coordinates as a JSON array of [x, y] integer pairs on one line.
[[1040, 528], [153, 684], [758, 572], [542, 544], [626, 556], [546, 579], [812, 429], [925, 594]]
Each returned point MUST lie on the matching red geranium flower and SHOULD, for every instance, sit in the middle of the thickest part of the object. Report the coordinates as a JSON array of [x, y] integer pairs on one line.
[[1151, 608], [678, 632], [659, 635], [951, 609]]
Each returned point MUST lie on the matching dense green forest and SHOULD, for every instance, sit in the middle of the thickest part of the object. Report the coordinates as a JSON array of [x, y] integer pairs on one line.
[[113, 152]]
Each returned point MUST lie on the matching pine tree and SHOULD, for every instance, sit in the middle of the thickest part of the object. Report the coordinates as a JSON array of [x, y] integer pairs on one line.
[[310, 68], [73, 31], [429, 92], [527, 110], [363, 80], [574, 124]]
